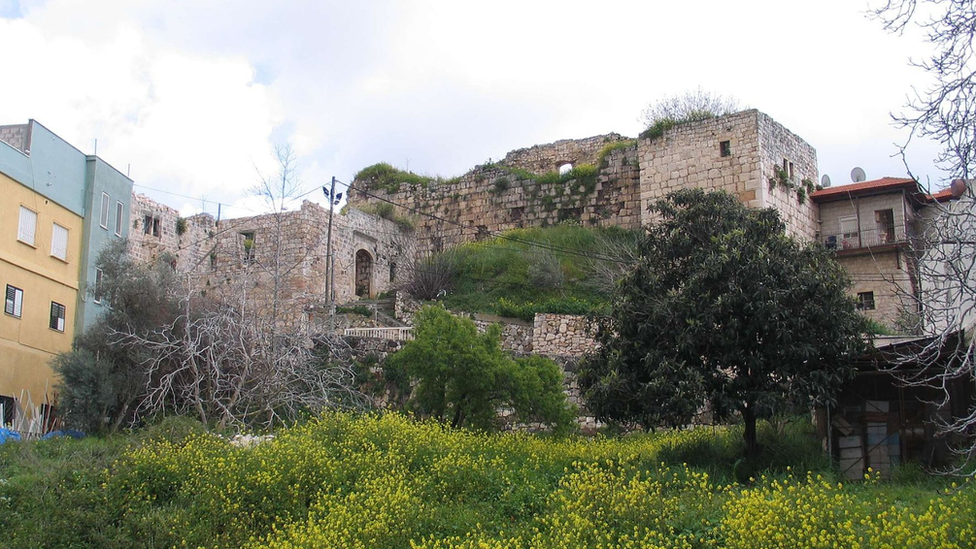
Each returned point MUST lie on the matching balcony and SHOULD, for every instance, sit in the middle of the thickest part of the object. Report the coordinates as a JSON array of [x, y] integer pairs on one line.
[[866, 238]]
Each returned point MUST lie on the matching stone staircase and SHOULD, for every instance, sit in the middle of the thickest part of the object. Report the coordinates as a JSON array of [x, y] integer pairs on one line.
[[382, 312]]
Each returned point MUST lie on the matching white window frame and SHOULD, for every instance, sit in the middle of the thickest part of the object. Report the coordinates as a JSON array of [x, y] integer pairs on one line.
[[103, 218], [97, 295], [841, 221], [27, 226], [59, 248], [119, 211], [63, 312], [15, 306]]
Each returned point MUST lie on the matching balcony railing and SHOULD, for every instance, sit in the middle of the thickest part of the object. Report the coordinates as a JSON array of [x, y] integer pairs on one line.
[[866, 238], [396, 333]]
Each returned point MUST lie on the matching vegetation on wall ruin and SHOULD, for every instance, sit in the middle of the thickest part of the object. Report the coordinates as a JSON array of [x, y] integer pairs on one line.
[[511, 276], [384, 177]]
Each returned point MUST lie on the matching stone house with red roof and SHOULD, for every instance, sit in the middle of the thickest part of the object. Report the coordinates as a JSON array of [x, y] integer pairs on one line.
[[870, 226]]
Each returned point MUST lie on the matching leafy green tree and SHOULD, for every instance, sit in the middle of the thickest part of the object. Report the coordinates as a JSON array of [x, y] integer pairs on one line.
[[101, 379], [464, 378], [722, 308]]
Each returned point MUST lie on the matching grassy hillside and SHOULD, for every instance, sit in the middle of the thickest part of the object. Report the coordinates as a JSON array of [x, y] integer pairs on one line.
[[387, 481], [553, 269]]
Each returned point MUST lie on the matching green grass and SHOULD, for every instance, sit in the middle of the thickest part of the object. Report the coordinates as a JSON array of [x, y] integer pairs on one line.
[[500, 276], [344, 480], [609, 148], [360, 310], [387, 178]]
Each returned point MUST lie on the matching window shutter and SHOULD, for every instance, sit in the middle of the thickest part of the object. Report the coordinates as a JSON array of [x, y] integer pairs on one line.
[[13, 302], [59, 242], [18, 302], [57, 316], [27, 229]]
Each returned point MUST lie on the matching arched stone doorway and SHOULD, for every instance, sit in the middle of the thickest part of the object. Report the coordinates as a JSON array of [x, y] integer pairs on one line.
[[364, 274]]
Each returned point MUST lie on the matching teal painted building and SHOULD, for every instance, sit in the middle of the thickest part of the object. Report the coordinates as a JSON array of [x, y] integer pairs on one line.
[[81, 183]]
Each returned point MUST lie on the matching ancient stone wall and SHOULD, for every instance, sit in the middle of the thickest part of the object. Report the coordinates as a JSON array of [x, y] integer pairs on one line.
[[497, 197], [737, 153], [781, 149], [245, 256], [692, 155], [389, 247], [156, 230], [563, 335], [549, 157]]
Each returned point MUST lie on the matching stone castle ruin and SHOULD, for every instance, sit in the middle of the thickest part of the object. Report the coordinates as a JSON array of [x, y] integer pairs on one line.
[[393, 217]]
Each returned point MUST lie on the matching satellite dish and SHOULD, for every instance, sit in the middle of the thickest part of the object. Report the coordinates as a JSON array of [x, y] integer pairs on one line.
[[857, 175], [825, 181]]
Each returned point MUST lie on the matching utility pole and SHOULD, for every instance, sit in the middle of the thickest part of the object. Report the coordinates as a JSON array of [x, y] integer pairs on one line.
[[329, 257]]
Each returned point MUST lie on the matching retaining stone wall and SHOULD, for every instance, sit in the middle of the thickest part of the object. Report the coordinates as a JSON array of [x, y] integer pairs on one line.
[[563, 335]]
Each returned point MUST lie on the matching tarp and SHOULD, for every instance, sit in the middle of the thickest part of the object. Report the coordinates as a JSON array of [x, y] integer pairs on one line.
[[66, 433], [7, 434]]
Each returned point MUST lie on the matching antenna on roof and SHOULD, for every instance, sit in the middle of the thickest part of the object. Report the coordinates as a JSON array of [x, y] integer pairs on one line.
[[858, 175], [825, 181]]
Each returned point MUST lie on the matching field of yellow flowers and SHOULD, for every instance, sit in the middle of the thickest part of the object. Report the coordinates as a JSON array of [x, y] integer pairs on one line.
[[390, 481]]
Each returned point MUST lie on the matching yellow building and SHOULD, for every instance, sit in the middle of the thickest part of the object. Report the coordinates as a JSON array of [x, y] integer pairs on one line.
[[40, 249]]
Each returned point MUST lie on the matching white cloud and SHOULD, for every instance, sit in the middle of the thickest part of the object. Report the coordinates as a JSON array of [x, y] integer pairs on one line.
[[194, 92]]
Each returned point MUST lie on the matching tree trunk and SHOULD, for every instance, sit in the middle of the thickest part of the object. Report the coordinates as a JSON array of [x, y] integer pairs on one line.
[[749, 435]]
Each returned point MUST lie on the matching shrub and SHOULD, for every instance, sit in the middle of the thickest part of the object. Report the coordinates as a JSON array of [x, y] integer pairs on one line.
[[691, 106], [432, 275], [610, 148], [463, 377], [501, 185], [89, 389], [545, 270]]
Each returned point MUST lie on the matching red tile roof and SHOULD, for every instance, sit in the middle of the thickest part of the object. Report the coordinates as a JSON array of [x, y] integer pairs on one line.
[[941, 196], [865, 187]]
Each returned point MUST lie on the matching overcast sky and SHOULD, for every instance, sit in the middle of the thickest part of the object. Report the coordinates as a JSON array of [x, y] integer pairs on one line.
[[194, 94]]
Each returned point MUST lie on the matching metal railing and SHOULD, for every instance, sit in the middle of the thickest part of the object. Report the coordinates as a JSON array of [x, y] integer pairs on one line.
[[866, 238], [396, 333]]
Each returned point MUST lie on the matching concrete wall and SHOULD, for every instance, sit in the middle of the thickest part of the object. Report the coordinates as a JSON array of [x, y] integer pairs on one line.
[[28, 343], [57, 169], [117, 188], [42, 161]]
